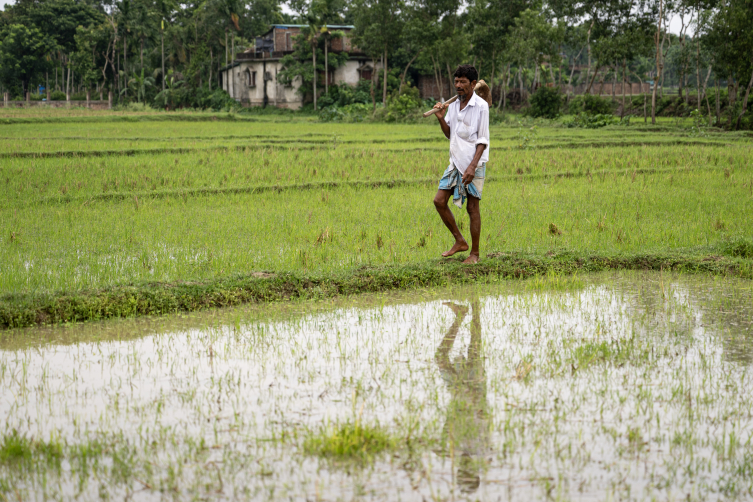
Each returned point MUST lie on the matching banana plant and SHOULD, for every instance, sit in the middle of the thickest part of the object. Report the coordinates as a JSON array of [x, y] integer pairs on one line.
[[138, 84], [166, 98]]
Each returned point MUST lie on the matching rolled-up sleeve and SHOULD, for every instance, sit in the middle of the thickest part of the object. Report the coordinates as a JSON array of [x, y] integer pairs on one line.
[[482, 136]]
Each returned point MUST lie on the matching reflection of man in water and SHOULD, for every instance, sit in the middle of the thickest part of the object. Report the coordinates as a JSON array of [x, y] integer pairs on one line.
[[466, 431]]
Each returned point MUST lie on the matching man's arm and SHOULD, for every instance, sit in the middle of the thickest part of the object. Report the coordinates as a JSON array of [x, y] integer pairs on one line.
[[470, 172], [442, 122]]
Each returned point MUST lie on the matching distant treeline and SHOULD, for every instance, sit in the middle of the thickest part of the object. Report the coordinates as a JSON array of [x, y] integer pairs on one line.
[[170, 54]]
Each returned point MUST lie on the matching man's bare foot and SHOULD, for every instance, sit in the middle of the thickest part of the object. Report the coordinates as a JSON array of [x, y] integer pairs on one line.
[[458, 247], [471, 259], [460, 310]]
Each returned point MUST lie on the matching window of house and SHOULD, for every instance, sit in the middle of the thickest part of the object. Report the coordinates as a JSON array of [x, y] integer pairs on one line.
[[250, 78], [366, 74]]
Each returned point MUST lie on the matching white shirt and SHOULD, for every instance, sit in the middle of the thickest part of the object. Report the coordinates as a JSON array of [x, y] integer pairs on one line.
[[468, 127]]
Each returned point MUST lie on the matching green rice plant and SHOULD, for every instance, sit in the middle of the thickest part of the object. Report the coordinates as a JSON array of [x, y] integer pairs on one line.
[[348, 440]]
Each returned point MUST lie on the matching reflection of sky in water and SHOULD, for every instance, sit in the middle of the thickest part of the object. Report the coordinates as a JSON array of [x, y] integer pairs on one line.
[[654, 422]]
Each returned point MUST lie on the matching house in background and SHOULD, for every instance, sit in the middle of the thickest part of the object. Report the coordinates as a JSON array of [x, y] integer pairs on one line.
[[252, 76]]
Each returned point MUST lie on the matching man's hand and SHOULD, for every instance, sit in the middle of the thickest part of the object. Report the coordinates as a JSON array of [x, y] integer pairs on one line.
[[442, 108], [469, 174]]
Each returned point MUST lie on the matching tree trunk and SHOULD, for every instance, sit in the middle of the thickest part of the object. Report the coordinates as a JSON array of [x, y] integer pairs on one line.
[[732, 96], [141, 54], [588, 45], [384, 86], [313, 46], [326, 66], [226, 46], [520, 81], [591, 83], [745, 102], [698, 72], [231, 82], [68, 86], [436, 77], [125, 64], [704, 94], [449, 77], [47, 85], [373, 85], [624, 70], [491, 79], [162, 37], [405, 72], [658, 40], [505, 82], [211, 62], [718, 108]]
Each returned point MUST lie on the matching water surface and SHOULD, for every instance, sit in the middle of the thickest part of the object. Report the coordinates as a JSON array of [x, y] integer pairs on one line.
[[614, 386]]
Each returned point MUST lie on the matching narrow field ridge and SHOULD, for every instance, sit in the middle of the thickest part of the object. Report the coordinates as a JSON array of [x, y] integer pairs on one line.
[[315, 145], [26, 310]]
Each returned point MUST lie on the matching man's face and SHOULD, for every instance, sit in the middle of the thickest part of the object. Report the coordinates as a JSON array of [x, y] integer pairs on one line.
[[464, 87]]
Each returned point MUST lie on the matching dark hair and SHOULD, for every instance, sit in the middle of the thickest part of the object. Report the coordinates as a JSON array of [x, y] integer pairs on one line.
[[466, 70]]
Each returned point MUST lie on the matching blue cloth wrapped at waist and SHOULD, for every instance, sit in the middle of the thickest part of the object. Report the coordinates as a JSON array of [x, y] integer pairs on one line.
[[452, 179]]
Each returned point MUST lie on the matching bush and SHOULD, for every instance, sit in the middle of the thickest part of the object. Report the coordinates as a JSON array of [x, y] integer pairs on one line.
[[356, 112], [591, 105], [588, 121], [217, 100], [57, 96], [546, 102], [403, 106], [345, 94], [133, 106]]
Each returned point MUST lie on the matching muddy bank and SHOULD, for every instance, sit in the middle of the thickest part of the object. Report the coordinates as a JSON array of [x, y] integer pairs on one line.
[[160, 298]]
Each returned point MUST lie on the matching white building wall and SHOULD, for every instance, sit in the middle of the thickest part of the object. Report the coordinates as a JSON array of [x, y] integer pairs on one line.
[[277, 93]]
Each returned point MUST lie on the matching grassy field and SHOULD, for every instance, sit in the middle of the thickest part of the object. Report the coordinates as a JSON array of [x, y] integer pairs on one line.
[[90, 201]]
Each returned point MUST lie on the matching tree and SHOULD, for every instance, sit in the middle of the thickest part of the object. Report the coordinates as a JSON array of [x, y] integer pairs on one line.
[[83, 59], [22, 55], [731, 39], [534, 40], [378, 24], [490, 22]]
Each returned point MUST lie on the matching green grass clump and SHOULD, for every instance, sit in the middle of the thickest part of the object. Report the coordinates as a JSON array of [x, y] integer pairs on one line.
[[738, 246], [19, 449], [348, 441]]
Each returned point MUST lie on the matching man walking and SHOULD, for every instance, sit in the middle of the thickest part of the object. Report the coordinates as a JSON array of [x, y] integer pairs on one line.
[[466, 125]]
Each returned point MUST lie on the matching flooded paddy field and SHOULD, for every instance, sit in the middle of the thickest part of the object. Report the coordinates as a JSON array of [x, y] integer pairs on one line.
[[619, 386]]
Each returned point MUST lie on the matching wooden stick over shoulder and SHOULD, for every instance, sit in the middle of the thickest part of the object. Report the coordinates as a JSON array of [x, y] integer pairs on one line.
[[479, 86]]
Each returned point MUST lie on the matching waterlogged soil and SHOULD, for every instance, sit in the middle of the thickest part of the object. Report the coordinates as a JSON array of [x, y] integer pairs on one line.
[[626, 386]]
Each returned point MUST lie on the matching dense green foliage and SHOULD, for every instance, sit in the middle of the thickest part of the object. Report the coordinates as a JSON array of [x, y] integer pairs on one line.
[[546, 103], [170, 55]]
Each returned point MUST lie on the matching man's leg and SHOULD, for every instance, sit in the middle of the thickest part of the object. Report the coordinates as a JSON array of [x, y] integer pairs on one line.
[[440, 202], [472, 205]]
